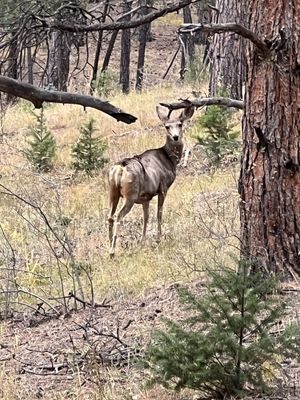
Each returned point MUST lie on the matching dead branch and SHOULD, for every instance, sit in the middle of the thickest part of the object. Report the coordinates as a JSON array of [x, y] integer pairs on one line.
[[87, 303], [118, 25], [38, 96], [205, 101], [228, 27]]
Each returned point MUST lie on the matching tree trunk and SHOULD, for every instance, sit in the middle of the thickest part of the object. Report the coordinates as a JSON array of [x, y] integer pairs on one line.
[[143, 34], [59, 61], [109, 50], [228, 55], [270, 175], [13, 53], [12, 69], [188, 45], [99, 46], [125, 52], [30, 65]]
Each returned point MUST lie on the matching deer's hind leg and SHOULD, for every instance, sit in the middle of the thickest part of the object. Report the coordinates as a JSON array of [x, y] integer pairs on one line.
[[127, 206], [113, 200]]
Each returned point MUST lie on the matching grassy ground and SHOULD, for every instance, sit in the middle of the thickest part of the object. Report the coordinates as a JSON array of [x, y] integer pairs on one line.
[[55, 233], [191, 228]]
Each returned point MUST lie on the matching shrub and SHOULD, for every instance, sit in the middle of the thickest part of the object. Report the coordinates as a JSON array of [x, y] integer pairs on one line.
[[41, 145], [218, 137], [226, 344], [105, 84], [88, 152]]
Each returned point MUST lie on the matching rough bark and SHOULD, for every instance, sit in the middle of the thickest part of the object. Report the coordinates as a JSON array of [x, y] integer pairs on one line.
[[204, 16], [270, 175], [227, 68], [125, 52], [38, 96], [59, 61]]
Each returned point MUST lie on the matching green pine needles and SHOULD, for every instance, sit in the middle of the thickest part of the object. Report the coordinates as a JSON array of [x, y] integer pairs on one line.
[[218, 138], [88, 152], [226, 346], [41, 145]]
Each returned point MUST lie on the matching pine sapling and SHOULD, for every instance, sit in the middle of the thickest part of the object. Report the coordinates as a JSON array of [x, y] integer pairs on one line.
[[217, 136], [226, 344], [88, 152], [41, 145]]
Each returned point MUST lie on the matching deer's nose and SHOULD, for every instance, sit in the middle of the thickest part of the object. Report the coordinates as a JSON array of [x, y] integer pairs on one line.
[[176, 138]]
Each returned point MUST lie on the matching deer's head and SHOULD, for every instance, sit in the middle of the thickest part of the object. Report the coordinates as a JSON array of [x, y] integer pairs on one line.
[[174, 126]]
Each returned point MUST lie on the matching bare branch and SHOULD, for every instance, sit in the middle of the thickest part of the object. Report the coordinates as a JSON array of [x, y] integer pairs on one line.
[[119, 24], [38, 96], [228, 27], [208, 101]]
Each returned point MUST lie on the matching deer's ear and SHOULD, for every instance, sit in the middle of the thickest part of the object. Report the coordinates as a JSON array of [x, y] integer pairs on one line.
[[187, 113], [162, 113]]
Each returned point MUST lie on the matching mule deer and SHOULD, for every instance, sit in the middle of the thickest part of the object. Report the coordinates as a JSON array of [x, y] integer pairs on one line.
[[139, 178]]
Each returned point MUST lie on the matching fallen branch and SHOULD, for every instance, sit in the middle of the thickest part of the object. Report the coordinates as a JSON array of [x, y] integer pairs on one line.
[[228, 27], [208, 101], [38, 96]]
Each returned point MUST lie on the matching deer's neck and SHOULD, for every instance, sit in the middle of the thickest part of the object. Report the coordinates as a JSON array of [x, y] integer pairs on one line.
[[173, 150]]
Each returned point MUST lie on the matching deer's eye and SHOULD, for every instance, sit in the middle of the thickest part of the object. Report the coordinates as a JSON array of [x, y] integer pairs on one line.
[[180, 125], [167, 127]]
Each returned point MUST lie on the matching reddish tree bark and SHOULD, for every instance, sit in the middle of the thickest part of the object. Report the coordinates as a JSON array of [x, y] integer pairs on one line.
[[270, 175]]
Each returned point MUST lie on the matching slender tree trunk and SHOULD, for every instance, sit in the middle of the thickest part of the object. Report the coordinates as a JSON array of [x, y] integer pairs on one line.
[[270, 175], [12, 70], [59, 61], [99, 45], [228, 55], [30, 66], [143, 34], [125, 52], [188, 45], [109, 51]]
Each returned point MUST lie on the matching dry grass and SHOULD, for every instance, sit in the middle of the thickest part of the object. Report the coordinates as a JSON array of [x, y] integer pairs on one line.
[[84, 200], [199, 224]]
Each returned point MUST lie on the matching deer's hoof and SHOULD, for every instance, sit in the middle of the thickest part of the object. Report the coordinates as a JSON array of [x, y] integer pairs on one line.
[[111, 254]]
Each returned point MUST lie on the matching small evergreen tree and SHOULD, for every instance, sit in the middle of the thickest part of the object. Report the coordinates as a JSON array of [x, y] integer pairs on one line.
[[41, 145], [88, 152], [218, 137], [106, 84], [226, 343]]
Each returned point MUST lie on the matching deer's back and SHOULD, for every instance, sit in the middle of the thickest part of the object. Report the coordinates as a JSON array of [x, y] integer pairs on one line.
[[146, 175]]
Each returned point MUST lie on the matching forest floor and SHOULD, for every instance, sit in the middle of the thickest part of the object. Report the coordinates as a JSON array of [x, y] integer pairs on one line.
[[47, 348]]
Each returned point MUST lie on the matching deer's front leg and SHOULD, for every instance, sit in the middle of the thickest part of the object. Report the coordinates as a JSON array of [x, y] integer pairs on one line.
[[160, 204], [146, 218]]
